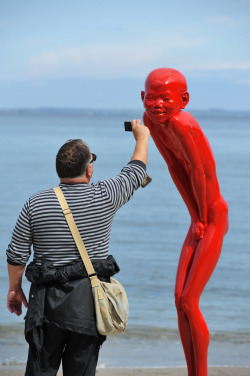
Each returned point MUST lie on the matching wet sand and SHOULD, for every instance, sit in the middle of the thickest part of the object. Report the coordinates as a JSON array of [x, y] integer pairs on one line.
[[177, 371]]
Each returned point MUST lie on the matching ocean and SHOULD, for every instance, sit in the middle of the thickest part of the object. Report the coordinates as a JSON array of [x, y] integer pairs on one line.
[[147, 233]]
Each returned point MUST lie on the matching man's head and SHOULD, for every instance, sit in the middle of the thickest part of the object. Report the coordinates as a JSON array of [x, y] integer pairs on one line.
[[165, 94], [73, 159]]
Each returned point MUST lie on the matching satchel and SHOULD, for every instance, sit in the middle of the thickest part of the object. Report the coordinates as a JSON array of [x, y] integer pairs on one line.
[[110, 298]]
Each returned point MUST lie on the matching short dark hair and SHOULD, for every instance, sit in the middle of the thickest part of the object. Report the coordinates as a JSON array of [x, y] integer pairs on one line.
[[72, 159]]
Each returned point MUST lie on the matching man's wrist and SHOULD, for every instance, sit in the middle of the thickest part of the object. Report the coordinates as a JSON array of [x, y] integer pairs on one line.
[[15, 288], [139, 163], [142, 139]]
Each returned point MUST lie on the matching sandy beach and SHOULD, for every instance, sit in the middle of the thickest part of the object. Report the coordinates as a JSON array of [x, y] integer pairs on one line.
[[213, 371], [177, 371]]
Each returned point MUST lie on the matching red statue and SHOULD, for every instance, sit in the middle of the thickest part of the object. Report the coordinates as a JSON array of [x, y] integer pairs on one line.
[[190, 160]]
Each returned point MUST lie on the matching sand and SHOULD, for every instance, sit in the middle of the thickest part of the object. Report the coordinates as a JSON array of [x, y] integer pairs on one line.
[[177, 371]]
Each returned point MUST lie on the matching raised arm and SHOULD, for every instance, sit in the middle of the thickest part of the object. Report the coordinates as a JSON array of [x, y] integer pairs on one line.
[[141, 135]]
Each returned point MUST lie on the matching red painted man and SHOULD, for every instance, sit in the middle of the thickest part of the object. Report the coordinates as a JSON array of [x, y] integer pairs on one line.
[[191, 163]]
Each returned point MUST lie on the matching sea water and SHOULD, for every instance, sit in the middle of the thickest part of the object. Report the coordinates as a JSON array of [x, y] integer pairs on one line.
[[147, 233]]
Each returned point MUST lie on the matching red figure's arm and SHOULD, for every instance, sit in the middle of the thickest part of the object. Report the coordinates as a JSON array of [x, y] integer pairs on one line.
[[176, 171], [181, 130], [181, 181]]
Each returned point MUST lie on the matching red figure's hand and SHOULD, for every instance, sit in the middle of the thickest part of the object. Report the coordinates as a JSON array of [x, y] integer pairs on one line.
[[15, 299], [199, 230]]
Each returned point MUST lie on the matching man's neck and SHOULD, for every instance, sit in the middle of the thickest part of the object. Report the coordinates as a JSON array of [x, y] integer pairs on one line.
[[80, 179]]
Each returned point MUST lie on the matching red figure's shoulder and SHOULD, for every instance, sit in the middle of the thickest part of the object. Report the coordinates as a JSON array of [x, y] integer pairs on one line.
[[182, 121], [182, 124]]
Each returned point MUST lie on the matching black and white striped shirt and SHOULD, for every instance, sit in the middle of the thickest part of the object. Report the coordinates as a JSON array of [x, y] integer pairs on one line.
[[42, 223]]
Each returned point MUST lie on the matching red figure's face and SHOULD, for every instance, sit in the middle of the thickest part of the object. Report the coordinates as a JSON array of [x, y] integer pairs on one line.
[[164, 97]]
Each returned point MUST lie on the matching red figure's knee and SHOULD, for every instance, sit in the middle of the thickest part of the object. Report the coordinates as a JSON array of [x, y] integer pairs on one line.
[[188, 304], [178, 303], [184, 303]]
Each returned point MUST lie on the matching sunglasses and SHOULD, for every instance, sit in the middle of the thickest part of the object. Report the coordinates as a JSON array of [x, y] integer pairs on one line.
[[93, 159]]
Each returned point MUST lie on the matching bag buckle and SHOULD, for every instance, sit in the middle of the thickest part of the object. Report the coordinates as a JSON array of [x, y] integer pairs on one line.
[[66, 211]]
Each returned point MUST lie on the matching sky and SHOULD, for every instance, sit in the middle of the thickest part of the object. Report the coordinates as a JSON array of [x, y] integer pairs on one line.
[[97, 54]]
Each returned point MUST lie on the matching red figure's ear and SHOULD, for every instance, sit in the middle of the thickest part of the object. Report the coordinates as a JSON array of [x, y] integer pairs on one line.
[[185, 99], [142, 95]]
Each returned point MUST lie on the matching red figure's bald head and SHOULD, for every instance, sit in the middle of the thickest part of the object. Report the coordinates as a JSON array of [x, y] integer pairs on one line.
[[165, 94], [166, 76]]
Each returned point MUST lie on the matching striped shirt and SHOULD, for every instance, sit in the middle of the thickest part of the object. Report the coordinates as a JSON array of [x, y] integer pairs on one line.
[[42, 223]]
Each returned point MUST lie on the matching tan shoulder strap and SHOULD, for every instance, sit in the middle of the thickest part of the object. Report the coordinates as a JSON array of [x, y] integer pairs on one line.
[[75, 233]]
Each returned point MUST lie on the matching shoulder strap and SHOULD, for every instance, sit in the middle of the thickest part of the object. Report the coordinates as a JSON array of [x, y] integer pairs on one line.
[[75, 233]]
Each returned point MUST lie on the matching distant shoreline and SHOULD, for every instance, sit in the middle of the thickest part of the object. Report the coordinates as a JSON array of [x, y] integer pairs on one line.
[[110, 111]]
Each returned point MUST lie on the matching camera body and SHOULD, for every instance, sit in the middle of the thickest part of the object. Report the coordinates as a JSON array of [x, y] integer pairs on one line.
[[128, 126]]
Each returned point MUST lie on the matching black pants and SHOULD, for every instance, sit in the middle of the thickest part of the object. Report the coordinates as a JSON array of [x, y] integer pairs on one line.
[[78, 353]]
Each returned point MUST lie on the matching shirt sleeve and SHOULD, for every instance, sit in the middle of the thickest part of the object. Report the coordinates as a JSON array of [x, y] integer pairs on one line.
[[122, 186], [19, 249]]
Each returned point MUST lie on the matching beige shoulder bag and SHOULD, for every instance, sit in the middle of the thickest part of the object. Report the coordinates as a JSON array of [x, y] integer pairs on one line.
[[110, 298]]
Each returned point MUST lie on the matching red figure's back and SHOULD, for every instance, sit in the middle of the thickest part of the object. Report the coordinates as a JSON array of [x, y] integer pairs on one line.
[[186, 150]]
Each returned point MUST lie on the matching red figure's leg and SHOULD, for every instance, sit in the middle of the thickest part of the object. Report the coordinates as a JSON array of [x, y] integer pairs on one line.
[[204, 262], [185, 263], [196, 265]]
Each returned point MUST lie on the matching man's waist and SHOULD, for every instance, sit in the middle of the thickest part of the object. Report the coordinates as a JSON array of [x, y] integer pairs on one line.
[[47, 273]]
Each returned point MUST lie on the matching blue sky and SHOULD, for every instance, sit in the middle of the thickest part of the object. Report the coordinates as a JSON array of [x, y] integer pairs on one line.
[[97, 54]]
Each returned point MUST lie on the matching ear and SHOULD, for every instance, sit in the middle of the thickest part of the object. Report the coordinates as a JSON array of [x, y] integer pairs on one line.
[[89, 171], [142, 95], [185, 99]]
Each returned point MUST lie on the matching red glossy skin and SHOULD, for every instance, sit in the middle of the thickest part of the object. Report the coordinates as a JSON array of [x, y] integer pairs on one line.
[[191, 163]]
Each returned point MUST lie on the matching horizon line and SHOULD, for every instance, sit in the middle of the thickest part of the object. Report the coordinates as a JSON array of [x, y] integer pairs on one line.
[[102, 110]]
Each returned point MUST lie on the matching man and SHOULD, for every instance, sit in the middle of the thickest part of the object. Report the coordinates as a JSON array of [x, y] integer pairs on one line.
[[191, 164], [60, 321]]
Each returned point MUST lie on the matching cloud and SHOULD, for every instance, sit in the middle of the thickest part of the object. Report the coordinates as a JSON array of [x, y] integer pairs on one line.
[[98, 60], [226, 20], [112, 60], [130, 59], [244, 81], [218, 65]]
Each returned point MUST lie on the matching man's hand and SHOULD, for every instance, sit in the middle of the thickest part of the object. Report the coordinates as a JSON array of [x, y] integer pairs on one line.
[[141, 135], [139, 130], [15, 299], [199, 229]]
